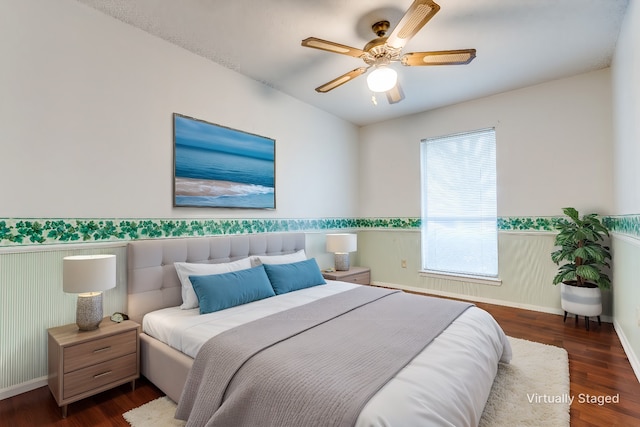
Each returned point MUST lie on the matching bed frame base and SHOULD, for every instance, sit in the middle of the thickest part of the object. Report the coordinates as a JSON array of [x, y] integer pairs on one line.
[[164, 366]]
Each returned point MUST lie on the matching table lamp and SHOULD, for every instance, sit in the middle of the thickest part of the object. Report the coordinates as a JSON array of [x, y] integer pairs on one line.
[[88, 276], [341, 244]]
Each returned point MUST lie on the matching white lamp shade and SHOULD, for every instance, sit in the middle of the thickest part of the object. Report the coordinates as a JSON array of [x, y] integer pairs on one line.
[[342, 243], [382, 79], [88, 273]]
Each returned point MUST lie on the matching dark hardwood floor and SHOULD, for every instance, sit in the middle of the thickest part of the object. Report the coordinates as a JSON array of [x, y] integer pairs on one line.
[[597, 365], [38, 408]]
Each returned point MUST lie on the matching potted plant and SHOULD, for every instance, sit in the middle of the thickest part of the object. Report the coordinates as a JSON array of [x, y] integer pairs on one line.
[[582, 276]]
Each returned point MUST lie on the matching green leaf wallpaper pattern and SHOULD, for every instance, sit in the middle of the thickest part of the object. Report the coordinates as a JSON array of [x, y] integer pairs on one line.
[[15, 231], [527, 223], [43, 231], [623, 224]]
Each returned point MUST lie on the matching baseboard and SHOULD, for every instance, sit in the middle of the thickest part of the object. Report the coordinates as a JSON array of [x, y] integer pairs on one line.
[[628, 350], [17, 389], [550, 310]]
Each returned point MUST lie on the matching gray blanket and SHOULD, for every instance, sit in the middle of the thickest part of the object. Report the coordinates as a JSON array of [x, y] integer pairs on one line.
[[313, 365]]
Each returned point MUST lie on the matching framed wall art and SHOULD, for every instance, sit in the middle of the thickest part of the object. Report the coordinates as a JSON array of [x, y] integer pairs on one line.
[[216, 166]]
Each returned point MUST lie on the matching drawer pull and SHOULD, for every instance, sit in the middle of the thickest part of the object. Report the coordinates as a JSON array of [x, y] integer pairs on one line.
[[104, 374], [100, 350]]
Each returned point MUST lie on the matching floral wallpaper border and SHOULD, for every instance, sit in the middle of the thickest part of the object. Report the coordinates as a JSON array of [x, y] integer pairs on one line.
[[44, 231]]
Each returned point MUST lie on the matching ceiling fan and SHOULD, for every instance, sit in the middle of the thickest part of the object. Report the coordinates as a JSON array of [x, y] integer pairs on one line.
[[380, 52]]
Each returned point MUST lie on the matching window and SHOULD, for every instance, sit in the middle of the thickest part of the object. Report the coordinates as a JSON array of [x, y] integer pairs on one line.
[[459, 212]]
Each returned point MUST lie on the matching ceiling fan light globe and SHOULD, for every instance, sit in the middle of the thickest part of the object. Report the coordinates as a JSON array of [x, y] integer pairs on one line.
[[382, 79]]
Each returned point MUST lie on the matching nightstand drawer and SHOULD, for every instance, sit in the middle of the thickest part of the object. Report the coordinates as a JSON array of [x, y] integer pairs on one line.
[[90, 353], [360, 278], [96, 376]]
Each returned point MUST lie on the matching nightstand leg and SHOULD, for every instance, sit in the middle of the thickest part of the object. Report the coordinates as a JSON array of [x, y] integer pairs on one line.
[[133, 385], [64, 411]]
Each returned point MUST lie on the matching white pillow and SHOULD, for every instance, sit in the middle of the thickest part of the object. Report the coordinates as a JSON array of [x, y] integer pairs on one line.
[[186, 269], [256, 260]]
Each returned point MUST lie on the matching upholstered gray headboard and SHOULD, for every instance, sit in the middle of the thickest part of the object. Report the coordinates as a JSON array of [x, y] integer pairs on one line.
[[152, 281]]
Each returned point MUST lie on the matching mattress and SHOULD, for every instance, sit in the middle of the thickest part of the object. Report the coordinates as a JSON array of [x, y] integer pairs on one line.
[[448, 383]]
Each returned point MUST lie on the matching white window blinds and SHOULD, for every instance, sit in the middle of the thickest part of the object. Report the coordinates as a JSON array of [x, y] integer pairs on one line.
[[459, 208]]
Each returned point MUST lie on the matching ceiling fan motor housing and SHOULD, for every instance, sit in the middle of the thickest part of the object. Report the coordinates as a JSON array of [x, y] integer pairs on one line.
[[377, 52]]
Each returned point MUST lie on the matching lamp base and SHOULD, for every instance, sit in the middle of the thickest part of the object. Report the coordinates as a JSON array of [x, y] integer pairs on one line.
[[342, 262], [89, 311]]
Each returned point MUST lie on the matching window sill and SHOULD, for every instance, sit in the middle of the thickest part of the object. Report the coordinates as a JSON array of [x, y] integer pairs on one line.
[[491, 281]]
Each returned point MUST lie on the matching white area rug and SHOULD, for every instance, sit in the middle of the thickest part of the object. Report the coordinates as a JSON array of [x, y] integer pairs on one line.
[[531, 391], [157, 413]]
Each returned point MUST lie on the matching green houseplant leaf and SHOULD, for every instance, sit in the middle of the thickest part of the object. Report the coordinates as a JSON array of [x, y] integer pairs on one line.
[[580, 246]]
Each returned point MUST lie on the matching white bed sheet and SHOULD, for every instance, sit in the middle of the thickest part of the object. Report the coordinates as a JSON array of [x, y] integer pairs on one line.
[[188, 330], [448, 382]]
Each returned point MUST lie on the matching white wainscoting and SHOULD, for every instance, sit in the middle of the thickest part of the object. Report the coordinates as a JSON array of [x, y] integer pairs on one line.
[[32, 301]]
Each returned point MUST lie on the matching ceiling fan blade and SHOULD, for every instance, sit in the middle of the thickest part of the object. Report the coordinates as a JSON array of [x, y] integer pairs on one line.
[[395, 94], [332, 47], [442, 57], [418, 14], [341, 80]]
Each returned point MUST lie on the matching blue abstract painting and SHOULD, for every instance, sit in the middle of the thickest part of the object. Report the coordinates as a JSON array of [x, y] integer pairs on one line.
[[216, 166]]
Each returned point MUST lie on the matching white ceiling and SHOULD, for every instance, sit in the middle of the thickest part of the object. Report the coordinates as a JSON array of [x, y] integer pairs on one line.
[[518, 43]]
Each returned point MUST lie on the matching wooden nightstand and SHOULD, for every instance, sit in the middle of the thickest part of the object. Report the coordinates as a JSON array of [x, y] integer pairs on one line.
[[359, 275], [84, 363]]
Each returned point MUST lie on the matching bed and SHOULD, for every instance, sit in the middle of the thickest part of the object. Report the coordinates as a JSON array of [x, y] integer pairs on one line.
[[446, 383]]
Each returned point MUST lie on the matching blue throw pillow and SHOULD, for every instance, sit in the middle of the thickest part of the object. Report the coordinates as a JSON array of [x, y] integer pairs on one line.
[[291, 277], [219, 291]]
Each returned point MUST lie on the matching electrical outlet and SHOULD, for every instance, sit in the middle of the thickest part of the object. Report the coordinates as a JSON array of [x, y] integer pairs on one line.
[[403, 263]]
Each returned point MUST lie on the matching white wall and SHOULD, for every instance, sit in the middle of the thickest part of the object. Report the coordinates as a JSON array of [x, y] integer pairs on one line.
[[626, 248], [626, 87], [543, 134], [86, 106]]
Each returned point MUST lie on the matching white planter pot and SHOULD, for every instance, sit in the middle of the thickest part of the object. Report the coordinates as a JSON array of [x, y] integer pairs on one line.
[[581, 301]]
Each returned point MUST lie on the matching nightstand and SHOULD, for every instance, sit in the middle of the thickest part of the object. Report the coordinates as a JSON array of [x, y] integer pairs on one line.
[[84, 363], [358, 275]]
